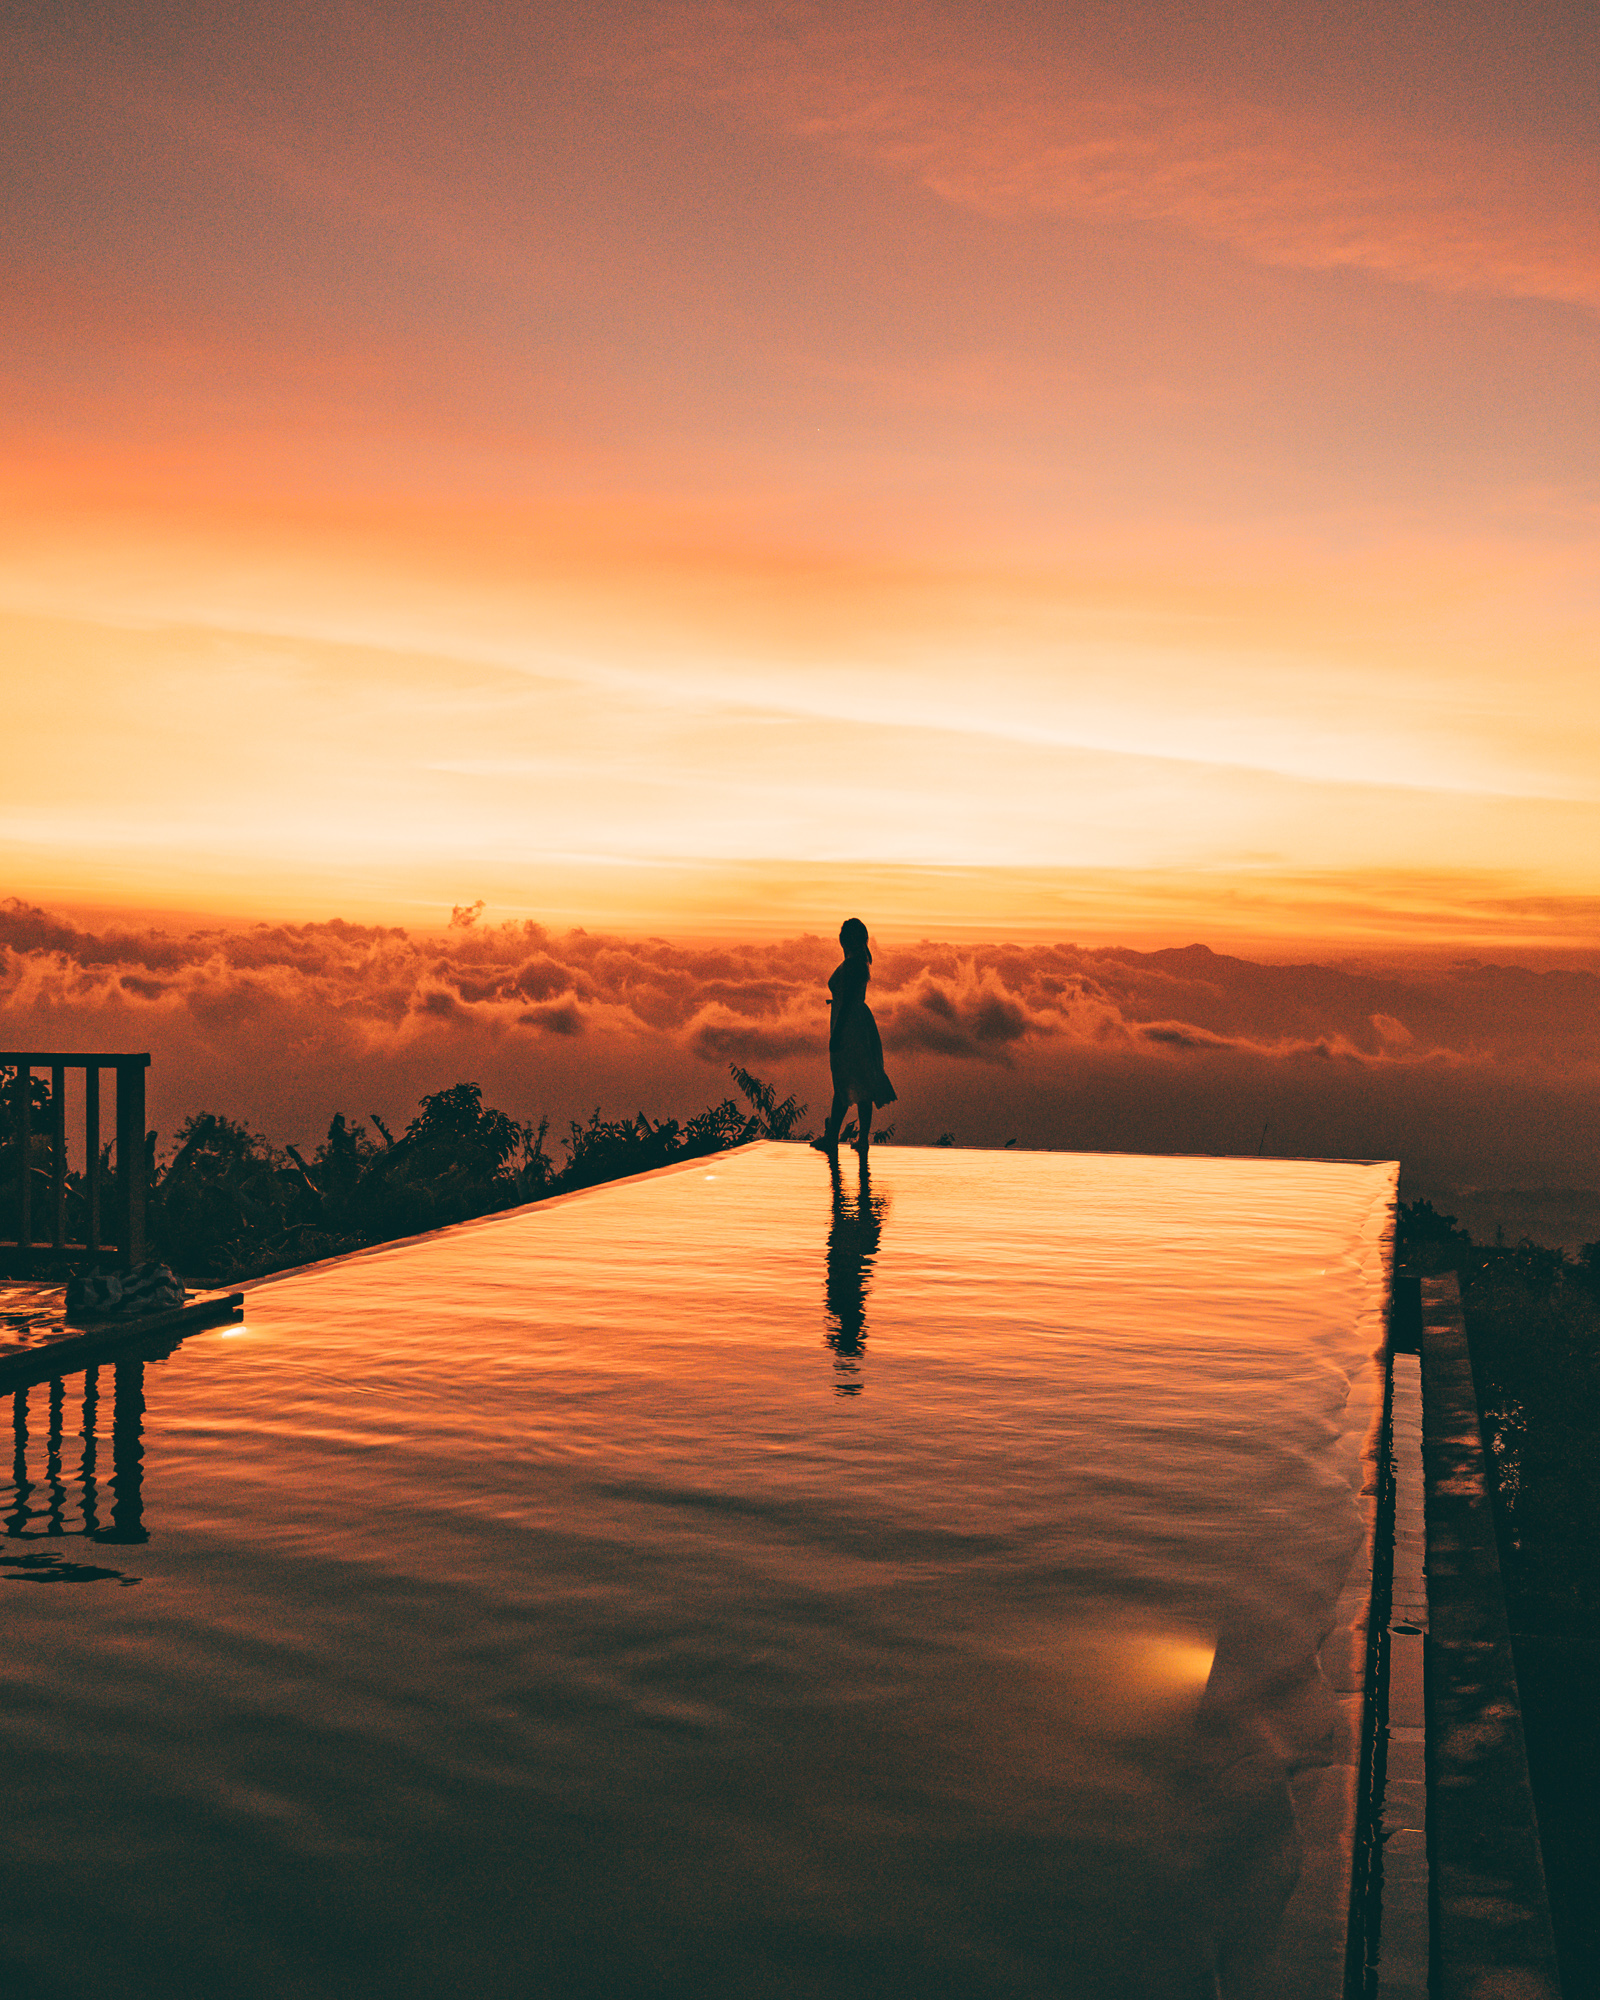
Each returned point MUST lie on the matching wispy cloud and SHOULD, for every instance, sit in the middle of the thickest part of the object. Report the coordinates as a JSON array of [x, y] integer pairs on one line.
[[1289, 188]]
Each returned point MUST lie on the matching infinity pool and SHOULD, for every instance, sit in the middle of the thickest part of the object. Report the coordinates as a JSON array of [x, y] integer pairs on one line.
[[723, 1583]]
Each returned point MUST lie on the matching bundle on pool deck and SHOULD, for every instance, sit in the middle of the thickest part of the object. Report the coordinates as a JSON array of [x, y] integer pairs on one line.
[[151, 1287]]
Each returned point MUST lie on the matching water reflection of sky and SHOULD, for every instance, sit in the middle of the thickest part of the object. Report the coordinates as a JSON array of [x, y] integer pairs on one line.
[[528, 1610]]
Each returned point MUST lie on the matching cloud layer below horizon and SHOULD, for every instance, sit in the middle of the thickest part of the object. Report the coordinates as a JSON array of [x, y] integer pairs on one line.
[[1475, 1075]]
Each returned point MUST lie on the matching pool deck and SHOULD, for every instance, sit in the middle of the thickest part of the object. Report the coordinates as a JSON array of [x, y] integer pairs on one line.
[[38, 1341]]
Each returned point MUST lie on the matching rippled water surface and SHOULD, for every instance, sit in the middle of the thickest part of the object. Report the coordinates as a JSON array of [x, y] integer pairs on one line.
[[718, 1583]]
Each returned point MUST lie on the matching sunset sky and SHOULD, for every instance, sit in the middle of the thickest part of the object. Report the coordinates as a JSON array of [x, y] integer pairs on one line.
[[1105, 470]]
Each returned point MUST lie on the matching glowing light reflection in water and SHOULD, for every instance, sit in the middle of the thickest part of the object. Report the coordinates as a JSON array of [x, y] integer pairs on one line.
[[528, 1611]]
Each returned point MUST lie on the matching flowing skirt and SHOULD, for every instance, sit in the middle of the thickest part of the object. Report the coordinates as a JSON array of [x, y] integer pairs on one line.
[[856, 1060]]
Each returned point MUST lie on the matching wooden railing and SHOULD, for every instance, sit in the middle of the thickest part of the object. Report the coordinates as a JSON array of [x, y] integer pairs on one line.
[[129, 1186]]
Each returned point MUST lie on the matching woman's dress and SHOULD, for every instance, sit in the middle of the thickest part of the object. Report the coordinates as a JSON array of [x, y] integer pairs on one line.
[[855, 1048]]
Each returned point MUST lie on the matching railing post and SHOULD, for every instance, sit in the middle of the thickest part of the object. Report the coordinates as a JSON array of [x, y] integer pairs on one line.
[[21, 1484], [86, 1465], [24, 1129], [130, 1164], [58, 1156], [91, 1151], [127, 1455]]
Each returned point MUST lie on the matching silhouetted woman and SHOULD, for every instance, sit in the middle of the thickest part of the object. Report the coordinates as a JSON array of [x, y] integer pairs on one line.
[[855, 1049]]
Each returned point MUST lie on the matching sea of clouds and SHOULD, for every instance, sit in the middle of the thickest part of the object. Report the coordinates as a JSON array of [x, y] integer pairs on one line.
[[1483, 1079]]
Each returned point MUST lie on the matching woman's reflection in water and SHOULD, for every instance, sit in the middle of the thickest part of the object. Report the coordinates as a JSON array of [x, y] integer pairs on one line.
[[852, 1244]]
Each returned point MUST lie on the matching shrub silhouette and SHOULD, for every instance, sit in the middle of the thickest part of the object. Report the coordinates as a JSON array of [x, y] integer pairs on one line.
[[231, 1205], [1429, 1242]]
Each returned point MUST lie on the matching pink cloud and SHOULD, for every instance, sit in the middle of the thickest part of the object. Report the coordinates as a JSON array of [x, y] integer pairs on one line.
[[1286, 187]]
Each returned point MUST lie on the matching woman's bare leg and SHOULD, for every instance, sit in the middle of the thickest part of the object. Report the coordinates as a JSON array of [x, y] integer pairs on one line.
[[864, 1113], [829, 1142]]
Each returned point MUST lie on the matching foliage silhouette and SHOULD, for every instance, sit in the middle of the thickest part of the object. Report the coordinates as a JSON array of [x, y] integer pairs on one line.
[[777, 1121], [231, 1205]]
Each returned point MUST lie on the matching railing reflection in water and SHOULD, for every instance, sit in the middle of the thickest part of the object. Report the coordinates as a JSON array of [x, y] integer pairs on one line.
[[105, 1511]]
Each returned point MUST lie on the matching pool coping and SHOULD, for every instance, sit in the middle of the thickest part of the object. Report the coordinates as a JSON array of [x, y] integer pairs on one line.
[[65, 1347], [1311, 1956], [1449, 1900], [1423, 1876]]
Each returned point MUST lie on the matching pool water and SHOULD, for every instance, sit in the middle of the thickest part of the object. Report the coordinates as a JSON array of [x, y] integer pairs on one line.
[[730, 1582]]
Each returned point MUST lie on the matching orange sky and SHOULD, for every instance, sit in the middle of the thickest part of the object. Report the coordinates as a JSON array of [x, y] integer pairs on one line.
[[1085, 471]]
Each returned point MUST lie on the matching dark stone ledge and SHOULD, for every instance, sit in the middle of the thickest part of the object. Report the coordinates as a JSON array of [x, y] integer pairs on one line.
[[1491, 1931]]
